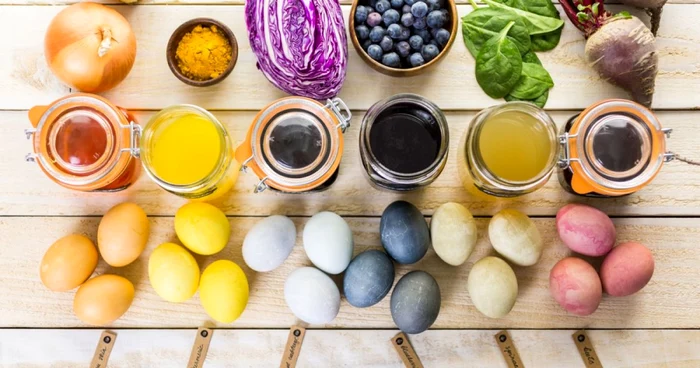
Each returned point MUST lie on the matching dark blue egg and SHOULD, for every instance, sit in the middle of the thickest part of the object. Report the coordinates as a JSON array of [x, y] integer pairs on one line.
[[415, 302], [404, 232], [368, 278]]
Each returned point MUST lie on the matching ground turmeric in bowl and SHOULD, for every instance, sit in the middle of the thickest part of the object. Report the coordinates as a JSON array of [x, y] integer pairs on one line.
[[204, 53]]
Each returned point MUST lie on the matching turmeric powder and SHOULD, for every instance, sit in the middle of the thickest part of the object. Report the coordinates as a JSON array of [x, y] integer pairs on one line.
[[204, 53]]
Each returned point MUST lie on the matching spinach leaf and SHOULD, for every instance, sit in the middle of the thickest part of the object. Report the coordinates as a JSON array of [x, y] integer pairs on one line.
[[536, 24], [531, 57], [482, 24], [539, 101], [546, 41], [541, 7], [498, 64], [534, 81]]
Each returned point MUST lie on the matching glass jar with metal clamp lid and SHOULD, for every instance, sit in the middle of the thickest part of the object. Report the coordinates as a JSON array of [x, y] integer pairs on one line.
[[295, 144]]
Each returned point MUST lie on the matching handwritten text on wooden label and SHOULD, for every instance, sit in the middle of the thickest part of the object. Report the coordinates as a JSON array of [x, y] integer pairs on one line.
[[585, 348], [103, 350], [200, 348], [405, 350], [291, 351], [510, 353]]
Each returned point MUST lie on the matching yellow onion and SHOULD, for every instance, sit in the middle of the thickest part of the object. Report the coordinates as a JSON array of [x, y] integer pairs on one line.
[[90, 47]]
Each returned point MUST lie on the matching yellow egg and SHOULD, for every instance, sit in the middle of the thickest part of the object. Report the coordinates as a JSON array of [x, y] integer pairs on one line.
[[122, 234], [68, 263], [202, 228], [223, 291], [103, 299], [173, 272]]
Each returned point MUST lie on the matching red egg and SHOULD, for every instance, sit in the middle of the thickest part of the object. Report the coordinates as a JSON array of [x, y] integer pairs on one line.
[[586, 230], [627, 269], [575, 285]]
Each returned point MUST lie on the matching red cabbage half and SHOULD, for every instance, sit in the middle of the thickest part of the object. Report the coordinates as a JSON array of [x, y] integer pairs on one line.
[[300, 44]]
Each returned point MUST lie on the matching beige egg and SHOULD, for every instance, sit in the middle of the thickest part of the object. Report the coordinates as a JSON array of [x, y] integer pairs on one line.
[[515, 236], [123, 234], [103, 299], [453, 232], [492, 287], [68, 263]]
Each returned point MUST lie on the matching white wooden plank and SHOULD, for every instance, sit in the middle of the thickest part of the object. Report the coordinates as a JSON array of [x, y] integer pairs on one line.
[[25, 82]]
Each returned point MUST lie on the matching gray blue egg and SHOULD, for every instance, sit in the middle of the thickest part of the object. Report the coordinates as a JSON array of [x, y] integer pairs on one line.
[[415, 302], [368, 278], [404, 233]]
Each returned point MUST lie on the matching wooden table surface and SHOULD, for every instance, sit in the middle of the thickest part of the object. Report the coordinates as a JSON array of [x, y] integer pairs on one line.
[[658, 327]]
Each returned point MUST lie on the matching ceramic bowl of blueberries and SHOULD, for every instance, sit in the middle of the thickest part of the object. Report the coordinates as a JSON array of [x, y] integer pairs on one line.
[[403, 37]]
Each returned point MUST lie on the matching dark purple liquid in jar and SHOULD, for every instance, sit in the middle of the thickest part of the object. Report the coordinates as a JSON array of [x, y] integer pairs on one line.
[[617, 146], [295, 143]]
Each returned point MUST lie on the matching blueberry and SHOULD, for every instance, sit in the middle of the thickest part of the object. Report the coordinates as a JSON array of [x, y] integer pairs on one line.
[[418, 23], [391, 59], [386, 44], [372, 3], [390, 16], [442, 36], [369, 9], [405, 34], [416, 42], [410, 2], [375, 52], [416, 59], [374, 19], [434, 4], [396, 4], [407, 19], [424, 35], [406, 9], [434, 43], [365, 45], [403, 49], [394, 31], [429, 52], [382, 6], [361, 14], [362, 32], [419, 9], [436, 19], [376, 34]]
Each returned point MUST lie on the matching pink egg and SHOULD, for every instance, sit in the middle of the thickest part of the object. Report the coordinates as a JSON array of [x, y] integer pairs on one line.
[[586, 230], [627, 269], [575, 285]]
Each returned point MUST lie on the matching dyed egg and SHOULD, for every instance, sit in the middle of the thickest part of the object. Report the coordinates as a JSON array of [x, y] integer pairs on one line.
[[415, 302], [627, 269], [585, 230], [404, 232], [103, 299], [202, 228], [453, 232], [492, 287], [68, 263], [223, 291], [368, 279], [268, 244], [173, 272], [122, 234], [515, 236], [328, 242], [575, 285], [312, 296]]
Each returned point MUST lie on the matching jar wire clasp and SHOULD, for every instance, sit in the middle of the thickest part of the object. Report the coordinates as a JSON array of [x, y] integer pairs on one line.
[[668, 156], [344, 115], [565, 161], [30, 157], [244, 165], [261, 186], [134, 139]]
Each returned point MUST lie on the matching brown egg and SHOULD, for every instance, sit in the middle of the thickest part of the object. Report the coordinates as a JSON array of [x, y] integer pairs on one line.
[[68, 263], [575, 285], [627, 269], [103, 299], [122, 234]]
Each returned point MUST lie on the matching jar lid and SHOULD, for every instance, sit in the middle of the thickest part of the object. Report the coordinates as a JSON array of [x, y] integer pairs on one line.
[[295, 143], [82, 141], [615, 147]]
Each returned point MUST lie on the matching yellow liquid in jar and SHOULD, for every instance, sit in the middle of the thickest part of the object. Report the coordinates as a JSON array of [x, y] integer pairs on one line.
[[185, 150], [515, 146]]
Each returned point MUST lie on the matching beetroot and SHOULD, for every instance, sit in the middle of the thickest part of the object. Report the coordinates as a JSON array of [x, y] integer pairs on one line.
[[619, 47], [653, 7]]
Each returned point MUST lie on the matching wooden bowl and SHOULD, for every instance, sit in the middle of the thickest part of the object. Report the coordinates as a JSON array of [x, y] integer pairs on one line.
[[187, 27], [403, 72]]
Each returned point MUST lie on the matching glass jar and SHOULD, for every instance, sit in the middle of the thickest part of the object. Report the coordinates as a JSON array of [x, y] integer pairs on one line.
[[295, 144], [508, 150], [613, 148], [188, 152], [404, 142], [84, 142]]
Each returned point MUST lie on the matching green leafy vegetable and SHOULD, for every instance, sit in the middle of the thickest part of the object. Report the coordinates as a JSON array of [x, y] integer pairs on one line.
[[539, 101], [482, 24], [498, 64], [534, 81], [536, 24], [546, 41], [540, 42], [531, 57]]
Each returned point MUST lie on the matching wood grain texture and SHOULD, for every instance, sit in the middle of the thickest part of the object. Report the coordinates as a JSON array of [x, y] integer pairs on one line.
[[359, 348], [670, 300], [25, 190], [26, 81]]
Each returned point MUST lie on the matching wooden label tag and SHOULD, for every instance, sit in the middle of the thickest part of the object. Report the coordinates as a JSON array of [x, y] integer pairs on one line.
[[103, 350], [200, 348], [585, 348], [293, 347], [510, 353], [405, 350]]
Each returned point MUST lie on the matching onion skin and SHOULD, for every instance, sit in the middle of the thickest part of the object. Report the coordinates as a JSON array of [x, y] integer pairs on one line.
[[72, 47]]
